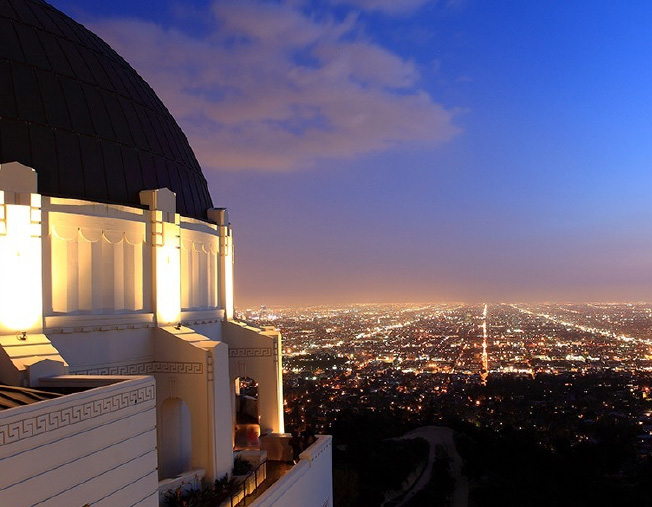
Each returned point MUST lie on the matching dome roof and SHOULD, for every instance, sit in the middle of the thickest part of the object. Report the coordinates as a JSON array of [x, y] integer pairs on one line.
[[75, 111]]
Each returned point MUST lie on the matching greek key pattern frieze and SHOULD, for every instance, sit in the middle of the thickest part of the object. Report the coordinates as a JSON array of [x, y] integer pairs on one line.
[[57, 419], [122, 369], [178, 367], [146, 368], [251, 352]]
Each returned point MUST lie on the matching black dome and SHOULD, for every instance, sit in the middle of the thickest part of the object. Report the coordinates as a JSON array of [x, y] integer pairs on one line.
[[74, 110]]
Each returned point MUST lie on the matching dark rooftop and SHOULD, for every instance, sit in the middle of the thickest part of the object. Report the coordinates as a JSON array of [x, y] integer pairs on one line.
[[75, 111], [11, 396]]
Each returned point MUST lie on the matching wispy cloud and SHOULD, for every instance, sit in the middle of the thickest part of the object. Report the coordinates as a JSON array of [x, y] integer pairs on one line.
[[269, 86], [391, 7]]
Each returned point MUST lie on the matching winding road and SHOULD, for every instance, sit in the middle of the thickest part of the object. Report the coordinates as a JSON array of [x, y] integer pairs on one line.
[[439, 435]]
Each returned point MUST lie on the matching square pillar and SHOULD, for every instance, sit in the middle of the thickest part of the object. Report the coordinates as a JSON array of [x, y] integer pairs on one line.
[[166, 255], [21, 294], [220, 216]]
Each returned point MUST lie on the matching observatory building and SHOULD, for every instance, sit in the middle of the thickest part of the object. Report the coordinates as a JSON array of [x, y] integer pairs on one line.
[[120, 358]]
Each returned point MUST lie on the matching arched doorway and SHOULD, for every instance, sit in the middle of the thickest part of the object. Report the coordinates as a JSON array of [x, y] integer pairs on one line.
[[175, 439], [247, 420]]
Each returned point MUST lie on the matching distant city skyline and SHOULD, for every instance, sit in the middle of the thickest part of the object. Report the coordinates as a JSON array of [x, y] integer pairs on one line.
[[380, 151], [564, 389]]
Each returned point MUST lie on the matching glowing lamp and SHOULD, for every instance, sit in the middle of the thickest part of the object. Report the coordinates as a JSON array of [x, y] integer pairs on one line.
[[228, 285], [20, 271], [168, 278]]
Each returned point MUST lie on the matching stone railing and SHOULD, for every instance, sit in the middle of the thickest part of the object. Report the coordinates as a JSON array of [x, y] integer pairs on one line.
[[93, 446], [309, 482]]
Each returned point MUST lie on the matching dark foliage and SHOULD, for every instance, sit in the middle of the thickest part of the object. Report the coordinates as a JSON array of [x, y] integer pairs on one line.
[[509, 468], [201, 496], [368, 462], [241, 466]]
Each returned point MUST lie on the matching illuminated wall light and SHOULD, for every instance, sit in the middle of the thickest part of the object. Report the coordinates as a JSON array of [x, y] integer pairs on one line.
[[228, 281], [20, 271], [168, 277]]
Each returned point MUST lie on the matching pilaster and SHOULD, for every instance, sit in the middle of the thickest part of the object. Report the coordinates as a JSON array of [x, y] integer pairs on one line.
[[166, 257], [225, 263]]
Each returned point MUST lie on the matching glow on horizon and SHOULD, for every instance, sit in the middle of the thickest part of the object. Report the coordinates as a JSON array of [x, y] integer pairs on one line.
[[442, 151]]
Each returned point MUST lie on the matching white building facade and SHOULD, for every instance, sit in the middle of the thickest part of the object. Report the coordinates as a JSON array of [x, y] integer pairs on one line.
[[125, 311]]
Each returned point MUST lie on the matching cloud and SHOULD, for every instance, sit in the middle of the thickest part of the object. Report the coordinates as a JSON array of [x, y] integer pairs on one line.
[[391, 7], [271, 87]]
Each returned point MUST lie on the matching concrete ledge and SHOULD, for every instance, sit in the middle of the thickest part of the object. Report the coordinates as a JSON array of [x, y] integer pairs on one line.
[[308, 482], [80, 323], [317, 449], [202, 316], [86, 381], [88, 447], [277, 446]]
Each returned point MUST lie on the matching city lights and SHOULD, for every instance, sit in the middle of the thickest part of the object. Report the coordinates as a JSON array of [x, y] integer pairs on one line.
[[421, 360]]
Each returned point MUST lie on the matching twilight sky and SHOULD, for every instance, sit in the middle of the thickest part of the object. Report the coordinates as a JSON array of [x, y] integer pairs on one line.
[[412, 150]]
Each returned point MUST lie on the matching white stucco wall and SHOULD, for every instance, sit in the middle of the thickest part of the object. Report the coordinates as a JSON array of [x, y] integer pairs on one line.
[[196, 371], [256, 354], [220, 393], [108, 352], [309, 483], [99, 259], [123, 290], [96, 258], [199, 246], [95, 447]]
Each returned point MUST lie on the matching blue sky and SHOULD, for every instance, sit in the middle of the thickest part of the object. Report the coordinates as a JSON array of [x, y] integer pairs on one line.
[[376, 150]]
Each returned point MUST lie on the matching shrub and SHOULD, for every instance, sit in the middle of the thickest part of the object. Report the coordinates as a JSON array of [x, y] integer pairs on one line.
[[204, 496], [241, 466]]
